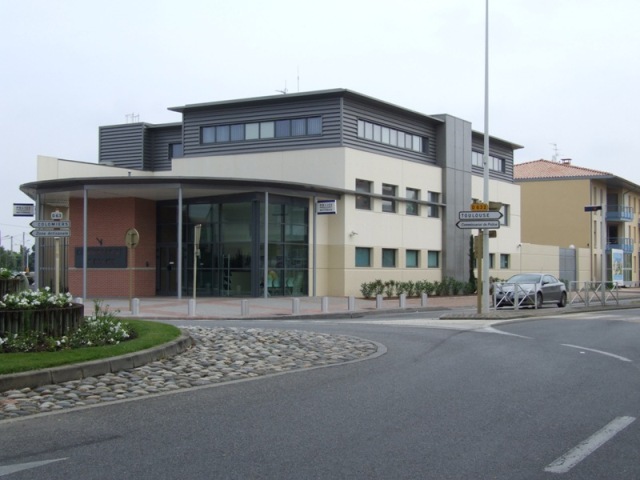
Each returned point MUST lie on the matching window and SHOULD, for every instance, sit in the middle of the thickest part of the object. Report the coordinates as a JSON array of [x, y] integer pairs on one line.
[[363, 202], [412, 208], [176, 150], [252, 131], [433, 260], [363, 257], [389, 205], [298, 127], [283, 128], [412, 258], [208, 134], [314, 126], [505, 215], [504, 260], [494, 163], [434, 210], [388, 257], [237, 132], [223, 133], [492, 260], [391, 136], [267, 130]]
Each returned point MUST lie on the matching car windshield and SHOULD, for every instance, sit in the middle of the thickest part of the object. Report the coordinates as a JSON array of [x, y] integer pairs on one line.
[[525, 278]]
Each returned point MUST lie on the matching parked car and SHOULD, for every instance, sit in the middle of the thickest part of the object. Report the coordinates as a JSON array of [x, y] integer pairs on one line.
[[533, 289]]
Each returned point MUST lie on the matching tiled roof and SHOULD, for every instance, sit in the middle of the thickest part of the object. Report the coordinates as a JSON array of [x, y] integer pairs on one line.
[[548, 169]]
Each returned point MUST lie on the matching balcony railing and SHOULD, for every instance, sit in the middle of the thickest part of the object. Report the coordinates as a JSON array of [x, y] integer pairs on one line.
[[616, 213], [620, 243]]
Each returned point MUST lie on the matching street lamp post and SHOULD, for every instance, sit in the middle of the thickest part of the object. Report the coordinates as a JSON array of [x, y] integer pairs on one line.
[[603, 246]]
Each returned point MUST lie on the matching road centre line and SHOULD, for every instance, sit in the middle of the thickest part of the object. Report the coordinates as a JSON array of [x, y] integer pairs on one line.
[[574, 456], [618, 357]]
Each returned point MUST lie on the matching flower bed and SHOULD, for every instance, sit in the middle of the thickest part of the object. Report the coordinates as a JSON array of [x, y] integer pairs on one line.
[[41, 312]]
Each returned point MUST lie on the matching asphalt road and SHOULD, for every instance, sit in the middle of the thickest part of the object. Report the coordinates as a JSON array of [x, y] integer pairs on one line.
[[548, 398]]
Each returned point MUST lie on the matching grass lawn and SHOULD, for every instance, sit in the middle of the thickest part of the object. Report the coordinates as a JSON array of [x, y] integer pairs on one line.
[[149, 334]]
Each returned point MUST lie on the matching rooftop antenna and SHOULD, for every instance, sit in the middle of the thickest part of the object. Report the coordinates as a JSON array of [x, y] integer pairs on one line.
[[555, 152], [284, 92], [132, 118], [298, 78]]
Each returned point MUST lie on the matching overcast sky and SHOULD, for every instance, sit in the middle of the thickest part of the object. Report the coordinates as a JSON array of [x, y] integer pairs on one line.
[[563, 74]]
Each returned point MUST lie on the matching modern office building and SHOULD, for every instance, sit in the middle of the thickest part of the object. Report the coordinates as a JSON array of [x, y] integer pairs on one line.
[[571, 206], [302, 194]]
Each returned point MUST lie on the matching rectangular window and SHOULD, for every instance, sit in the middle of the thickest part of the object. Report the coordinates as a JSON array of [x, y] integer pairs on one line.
[[208, 134], [433, 260], [505, 215], [412, 258], [252, 131], [389, 205], [492, 260], [298, 127], [417, 143], [401, 140], [267, 130], [283, 128], [175, 150], [223, 133], [363, 257], [363, 202], [434, 210], [368, 130], [412, 207], [389, 257], [504, 260], [237, 132], [385, 135], [377, 133], [361, 128], [314, 126], [393, 138]]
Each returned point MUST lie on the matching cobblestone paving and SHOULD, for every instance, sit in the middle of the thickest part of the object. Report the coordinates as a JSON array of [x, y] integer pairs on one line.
[[219, 355]]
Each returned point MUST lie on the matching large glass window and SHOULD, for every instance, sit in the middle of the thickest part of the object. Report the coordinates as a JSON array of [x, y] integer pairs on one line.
[[412, 258], [261, 130]]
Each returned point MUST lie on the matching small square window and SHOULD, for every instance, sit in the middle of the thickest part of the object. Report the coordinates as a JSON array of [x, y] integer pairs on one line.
[[412, 258], [283, 128], [267, 130], [252, 131], [222, 133], [388, 257], [505, 215], [504, 261], [314, 126], [433, 260], [208, 134], [175, 150], [363, 257], [237, 132], [298, 127]]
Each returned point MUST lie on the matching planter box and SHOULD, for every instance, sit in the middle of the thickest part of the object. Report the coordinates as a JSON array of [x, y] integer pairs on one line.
[[54, 322], [10, 285]]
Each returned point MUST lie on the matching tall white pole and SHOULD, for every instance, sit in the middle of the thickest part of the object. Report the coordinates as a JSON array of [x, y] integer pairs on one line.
[[485, 163]]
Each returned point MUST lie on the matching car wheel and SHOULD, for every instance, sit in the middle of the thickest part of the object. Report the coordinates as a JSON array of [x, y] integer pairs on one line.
[[563, 300], [539, 300]]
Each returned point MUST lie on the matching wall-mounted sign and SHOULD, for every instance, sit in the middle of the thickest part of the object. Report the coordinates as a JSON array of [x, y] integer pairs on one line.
[[24, 209], [326, 207]]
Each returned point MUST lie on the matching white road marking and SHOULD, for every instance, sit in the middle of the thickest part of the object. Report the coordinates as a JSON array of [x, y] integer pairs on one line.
[[618, 357], [495, 330], [8, 469], [574, 456]]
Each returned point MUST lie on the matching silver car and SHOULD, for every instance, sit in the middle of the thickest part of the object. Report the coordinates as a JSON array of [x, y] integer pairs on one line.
[[530, 289]]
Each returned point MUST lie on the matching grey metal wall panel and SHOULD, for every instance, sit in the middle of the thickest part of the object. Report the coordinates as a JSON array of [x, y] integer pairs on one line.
[[328, 109], [568, 264], [122, 145], [157, 153], [388, 117], [453, 152]]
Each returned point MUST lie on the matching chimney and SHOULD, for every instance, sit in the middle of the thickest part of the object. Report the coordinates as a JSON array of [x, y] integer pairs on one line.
[[565, 161]]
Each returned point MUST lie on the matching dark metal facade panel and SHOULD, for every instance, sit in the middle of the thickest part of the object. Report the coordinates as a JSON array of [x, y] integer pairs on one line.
[[194, 120], [410, 122], [122, 145], [159, 140]]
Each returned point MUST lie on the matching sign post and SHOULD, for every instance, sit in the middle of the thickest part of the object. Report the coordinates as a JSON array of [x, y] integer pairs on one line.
[[131, 238]]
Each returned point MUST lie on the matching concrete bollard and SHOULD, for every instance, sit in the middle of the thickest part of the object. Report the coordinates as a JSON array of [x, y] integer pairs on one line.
[[135, 306], [351, 304], [191, 308], [295, 306], [325, 304], [424, 297], [244, 307], [378, 301], [403, 300]]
